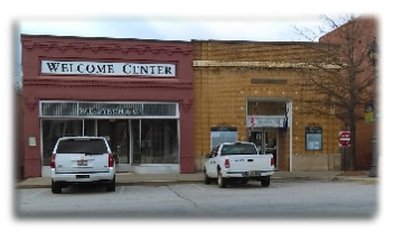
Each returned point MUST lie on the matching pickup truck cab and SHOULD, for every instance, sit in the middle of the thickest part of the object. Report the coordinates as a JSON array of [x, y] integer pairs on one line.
[[82, 160], [239, 161]]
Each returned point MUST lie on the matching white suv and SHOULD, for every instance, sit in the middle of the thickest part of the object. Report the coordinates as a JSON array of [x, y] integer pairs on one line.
[[82, 160]]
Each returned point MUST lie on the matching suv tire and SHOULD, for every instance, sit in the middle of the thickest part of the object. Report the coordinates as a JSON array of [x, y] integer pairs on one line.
[[111, 186], [56, 188]]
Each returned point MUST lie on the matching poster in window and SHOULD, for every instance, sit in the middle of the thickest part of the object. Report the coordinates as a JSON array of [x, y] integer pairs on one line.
[[313, 137]]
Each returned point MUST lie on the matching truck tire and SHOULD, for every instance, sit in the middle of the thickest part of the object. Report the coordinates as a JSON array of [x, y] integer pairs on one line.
[[221, 181], [207, 180], [56, 188], [265, 182]]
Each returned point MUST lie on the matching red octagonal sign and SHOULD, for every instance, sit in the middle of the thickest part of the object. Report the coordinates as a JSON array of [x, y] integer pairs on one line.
[[344, 138]]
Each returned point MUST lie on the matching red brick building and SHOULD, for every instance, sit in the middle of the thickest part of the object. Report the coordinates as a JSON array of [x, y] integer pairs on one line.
[[136, 93], [359, 34]]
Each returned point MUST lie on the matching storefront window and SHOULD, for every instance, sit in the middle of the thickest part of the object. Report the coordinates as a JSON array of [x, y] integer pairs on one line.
[[266, 108], [52, 130], [116, 133], [89, 127], [135, 134], [159, 141]]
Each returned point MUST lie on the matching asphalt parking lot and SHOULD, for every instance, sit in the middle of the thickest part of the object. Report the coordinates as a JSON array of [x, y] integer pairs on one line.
[[282, 199]]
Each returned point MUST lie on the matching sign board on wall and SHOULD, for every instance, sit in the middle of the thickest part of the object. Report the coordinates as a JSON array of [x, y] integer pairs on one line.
[[107, 68], [268, 121], [313, 138]]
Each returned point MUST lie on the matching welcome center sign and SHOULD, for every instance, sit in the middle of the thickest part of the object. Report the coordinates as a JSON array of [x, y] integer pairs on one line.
[[107, 68]]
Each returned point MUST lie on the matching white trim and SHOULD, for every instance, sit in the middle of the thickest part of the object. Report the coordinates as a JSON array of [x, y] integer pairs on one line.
[[156, 168], [175, 116]]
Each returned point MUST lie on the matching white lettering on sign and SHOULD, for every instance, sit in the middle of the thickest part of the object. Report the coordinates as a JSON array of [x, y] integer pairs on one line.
[[107, 69]]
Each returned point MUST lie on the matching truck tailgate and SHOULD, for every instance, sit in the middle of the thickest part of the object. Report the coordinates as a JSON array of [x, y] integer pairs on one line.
[[81, 163], [250, 162]]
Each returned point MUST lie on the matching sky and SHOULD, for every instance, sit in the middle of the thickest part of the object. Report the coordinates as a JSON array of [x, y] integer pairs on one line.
[[176, 28]]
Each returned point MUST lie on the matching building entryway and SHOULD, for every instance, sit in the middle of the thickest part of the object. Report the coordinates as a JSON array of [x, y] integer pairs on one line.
[[117, 134], [266, 140], [268, 121]]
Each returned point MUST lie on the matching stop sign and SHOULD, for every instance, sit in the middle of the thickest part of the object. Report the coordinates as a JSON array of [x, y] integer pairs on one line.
[[344, 138]]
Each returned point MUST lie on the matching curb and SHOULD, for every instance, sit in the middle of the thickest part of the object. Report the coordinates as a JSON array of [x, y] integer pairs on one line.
[[362, 179]]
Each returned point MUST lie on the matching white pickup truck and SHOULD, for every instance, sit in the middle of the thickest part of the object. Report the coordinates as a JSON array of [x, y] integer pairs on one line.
[[238, 161], [82, 160]]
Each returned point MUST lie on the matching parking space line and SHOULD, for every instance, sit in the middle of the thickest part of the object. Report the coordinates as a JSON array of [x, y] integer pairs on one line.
[[36, 193], [198, 187]]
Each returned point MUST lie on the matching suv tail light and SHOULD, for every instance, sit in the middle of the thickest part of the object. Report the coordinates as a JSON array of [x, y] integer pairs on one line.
[[110, 160], [52, 161], [272, 163], [227, 163]]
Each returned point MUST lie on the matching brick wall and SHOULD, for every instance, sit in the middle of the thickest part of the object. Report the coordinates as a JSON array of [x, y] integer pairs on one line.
[[233, 72]]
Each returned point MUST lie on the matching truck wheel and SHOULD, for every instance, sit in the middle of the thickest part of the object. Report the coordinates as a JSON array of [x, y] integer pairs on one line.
[[56, 188], [265, 182], [221, 181], [207, 180]]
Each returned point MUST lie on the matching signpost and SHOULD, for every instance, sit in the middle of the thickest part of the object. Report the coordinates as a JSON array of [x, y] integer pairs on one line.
[[345, 142]]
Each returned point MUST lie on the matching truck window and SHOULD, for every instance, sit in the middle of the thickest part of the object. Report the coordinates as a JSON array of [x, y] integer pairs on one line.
[[238, 149]]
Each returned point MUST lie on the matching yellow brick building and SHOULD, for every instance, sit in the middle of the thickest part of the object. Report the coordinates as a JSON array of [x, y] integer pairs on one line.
[[252, 90]]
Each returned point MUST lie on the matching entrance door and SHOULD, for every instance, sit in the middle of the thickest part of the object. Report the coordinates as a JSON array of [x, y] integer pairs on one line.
[[271, 141], [266, 140], [117, 134], [257, 139]]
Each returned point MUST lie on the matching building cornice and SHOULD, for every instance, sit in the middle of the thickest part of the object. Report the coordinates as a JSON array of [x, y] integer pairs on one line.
[[107, 46], [260, 64]]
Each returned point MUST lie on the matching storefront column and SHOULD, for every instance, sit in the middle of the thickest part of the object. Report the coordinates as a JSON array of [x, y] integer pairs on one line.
[[31, 139], [187, 157]]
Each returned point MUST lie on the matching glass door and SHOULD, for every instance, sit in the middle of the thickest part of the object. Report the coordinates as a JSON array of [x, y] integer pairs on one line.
[[257, 139], [271, 141], [117, 134]]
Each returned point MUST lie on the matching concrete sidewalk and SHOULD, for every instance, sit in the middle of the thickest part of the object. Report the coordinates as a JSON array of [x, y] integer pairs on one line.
[[128, 178]]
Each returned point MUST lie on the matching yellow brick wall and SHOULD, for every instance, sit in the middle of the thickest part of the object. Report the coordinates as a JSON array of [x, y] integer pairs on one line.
[[221, 95]]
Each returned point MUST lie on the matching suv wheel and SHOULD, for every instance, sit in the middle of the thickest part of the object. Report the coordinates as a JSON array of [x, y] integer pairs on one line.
[[56, 187], [111, 186]]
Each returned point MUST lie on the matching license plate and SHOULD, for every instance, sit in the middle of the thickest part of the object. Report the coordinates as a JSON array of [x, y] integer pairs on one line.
[[254, 173], [82, 163]]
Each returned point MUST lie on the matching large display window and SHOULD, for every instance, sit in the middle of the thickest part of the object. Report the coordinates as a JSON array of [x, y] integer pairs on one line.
[[159, 141], [148, 137], [52, 130]]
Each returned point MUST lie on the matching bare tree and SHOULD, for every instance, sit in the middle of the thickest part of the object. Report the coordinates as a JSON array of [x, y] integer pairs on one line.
[[343, 81]]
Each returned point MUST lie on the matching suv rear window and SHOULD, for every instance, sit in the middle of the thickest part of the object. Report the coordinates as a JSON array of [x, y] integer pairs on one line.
[[92, 146]]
